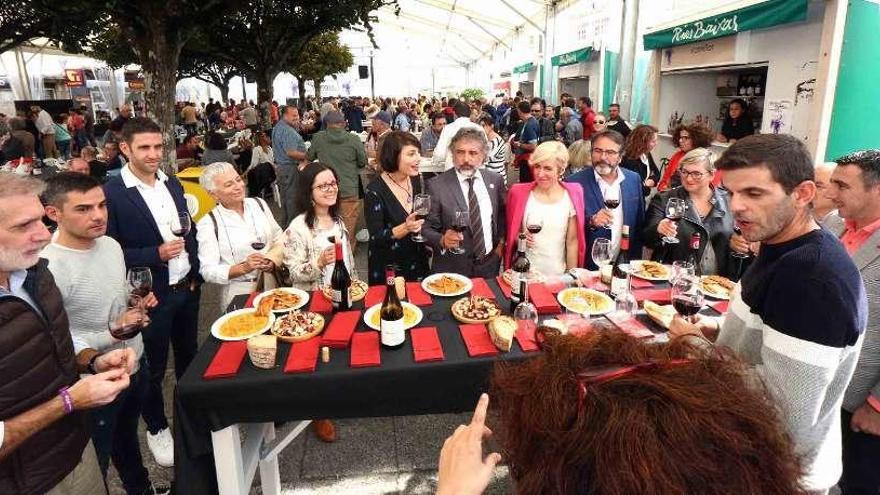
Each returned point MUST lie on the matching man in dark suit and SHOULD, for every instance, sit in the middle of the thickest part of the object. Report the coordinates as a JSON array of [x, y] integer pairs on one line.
[[480, 195], [606, 180], [143, 207]]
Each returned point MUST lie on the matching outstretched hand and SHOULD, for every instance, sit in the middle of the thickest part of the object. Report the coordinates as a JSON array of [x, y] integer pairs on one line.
[[463, 469]]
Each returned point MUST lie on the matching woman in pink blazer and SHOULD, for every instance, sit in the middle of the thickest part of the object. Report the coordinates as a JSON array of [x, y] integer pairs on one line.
[[558, 206]]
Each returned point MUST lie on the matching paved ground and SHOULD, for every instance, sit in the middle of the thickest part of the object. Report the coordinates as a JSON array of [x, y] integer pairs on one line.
[[381, 456]]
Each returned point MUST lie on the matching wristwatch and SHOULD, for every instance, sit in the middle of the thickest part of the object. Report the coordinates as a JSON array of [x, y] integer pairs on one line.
[[91, 366]]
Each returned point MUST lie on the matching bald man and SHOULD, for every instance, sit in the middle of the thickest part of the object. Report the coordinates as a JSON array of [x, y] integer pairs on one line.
[[823, 208], [78, 165]]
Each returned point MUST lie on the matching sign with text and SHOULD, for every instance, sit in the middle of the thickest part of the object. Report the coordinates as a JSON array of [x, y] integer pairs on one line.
[[571, 58], [74, 78], [721, 51], [137, 85], [524, 68], [760, 15]]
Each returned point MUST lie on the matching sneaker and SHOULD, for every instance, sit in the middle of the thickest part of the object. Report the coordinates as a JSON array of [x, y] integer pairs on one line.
[[162, 446]]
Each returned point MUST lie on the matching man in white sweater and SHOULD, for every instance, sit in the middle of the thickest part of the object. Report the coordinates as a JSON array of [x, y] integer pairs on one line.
[[89, 271]]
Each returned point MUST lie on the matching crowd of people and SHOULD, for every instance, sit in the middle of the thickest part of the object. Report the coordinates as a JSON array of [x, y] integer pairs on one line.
[[802, 241]]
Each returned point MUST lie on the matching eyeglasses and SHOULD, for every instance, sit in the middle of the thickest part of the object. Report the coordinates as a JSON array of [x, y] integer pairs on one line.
[[536, 110], [693, 175], [597, 121], [327, 187], [600, 152], [684, 136], [601, 374]]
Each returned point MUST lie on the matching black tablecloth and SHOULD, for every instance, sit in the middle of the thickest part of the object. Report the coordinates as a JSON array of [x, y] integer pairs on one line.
[[398, 387]]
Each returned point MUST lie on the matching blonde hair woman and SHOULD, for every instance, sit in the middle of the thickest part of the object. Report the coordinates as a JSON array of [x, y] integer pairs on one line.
[[561, 243], [579, 157]]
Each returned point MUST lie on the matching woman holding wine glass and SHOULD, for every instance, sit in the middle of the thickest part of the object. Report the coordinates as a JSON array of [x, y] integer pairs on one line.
[[695, 207], [309, 246], [395, 207], [236, 237], [550, 211]]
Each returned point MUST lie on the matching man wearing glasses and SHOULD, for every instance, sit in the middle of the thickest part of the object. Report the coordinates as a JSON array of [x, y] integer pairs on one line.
[[606, 181]]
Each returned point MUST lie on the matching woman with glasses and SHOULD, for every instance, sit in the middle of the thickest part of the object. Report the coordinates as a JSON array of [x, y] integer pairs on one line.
[[637, 156], [685, 137], [309, 252], [708, 214], [600, 122], [388, 209]]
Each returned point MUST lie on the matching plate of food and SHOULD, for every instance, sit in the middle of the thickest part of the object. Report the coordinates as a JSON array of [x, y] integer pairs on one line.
[[296, 325], [650, 270], [357, 291], [535, 277], [663, 315], [242, 324], [716, 286], [447, 284], [475, 309], [281, 300], [585, 301], [412, 315]]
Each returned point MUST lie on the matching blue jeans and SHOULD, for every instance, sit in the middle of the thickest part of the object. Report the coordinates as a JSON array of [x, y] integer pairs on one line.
[[175, 322], [115, 434]]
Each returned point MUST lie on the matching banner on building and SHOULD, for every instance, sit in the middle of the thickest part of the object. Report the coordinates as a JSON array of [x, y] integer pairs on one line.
[[74, 78]]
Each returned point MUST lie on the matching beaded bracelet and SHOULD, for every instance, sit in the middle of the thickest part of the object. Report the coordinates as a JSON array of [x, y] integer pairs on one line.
[[66, 399]]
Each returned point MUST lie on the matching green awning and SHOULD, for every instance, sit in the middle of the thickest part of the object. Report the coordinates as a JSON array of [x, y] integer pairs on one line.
[[521, 69], [757, 16], [572, 57]]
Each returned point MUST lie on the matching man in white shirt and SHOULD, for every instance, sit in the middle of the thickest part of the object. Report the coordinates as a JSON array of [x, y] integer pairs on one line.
[[145, 207], [46, 126], [89, 271], [442, 158]]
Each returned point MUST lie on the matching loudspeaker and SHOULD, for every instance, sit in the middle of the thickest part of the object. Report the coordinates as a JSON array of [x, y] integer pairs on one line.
[[363, 71]]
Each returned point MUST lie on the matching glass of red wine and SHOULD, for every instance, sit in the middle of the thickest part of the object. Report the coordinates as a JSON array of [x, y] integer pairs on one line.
[[461, 222], [128, 320], [737, 254], [687, 297], [421, 207], [140, 281], [180, 225], [675, 211], [259, 242], [534, 223]]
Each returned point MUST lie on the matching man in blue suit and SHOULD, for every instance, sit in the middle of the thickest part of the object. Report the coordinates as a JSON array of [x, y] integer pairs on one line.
[[605, 180], [143, 207]]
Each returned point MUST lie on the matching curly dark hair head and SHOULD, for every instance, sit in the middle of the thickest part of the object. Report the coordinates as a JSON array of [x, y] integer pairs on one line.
[[704, 426], [701, 136], [638, 141]]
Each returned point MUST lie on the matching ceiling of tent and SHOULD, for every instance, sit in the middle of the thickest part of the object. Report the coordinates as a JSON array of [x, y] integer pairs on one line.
[[458, 32]]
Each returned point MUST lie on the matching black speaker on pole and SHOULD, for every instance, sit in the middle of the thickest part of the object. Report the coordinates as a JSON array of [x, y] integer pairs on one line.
[[363, 71]]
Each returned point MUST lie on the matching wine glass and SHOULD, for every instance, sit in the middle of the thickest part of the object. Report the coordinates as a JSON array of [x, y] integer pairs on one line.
[[180, 224], [127, 320], [460, 224], [534, 223], [625, 302], [140, 280], [687, 297], [681, 269], [421, 207], [737, 254], [675, 210], [259, 242], [601, 251]]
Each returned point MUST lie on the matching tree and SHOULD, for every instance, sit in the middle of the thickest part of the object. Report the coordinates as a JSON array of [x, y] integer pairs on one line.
[[472, 93], [323, 56], [199, 61]]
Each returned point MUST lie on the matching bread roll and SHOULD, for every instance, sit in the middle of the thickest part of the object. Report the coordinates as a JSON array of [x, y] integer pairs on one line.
[[502, 329], [262, 350]]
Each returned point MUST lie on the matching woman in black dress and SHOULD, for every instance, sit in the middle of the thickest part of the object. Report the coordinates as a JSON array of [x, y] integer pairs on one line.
[[738, 123], [388, 211], [637, 156]]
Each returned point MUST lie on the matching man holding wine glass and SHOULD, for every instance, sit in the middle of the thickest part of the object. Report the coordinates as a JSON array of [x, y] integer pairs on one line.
[[89, 271], [145, 207], [799, 313], [612, 196], [466, 224]]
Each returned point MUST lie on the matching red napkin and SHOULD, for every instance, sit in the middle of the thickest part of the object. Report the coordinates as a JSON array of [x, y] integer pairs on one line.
[[303, 356], [477, 340], [543, 299], [720, 306], [338, 333], [525, 335], [481, 288], [250, 301], [640, 283], [417, 295], [320, 303], [426, 345], [365, 349], [656, 295], [227, 360], [375, 295], [503, 285], [630, 325]]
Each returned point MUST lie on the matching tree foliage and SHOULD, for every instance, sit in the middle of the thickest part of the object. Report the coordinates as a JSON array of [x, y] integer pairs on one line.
[[323, 56], [472, 93]]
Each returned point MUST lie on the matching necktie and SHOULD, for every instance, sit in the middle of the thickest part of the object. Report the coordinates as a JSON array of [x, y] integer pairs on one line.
[[476, 220]]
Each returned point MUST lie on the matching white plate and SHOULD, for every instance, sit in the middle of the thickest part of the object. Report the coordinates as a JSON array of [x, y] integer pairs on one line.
[[468, 285], [215, 328], [609, 302], [713, 295], [637, 263], [368, 314], [303, 298]]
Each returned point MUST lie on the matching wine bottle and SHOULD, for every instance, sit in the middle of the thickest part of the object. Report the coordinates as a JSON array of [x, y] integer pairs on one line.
[[621, 264], [694, 256], [340, 283], [520, 271], [391, 314]]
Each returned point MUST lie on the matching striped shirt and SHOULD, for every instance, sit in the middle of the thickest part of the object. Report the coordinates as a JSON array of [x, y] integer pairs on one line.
[[496, 160]]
